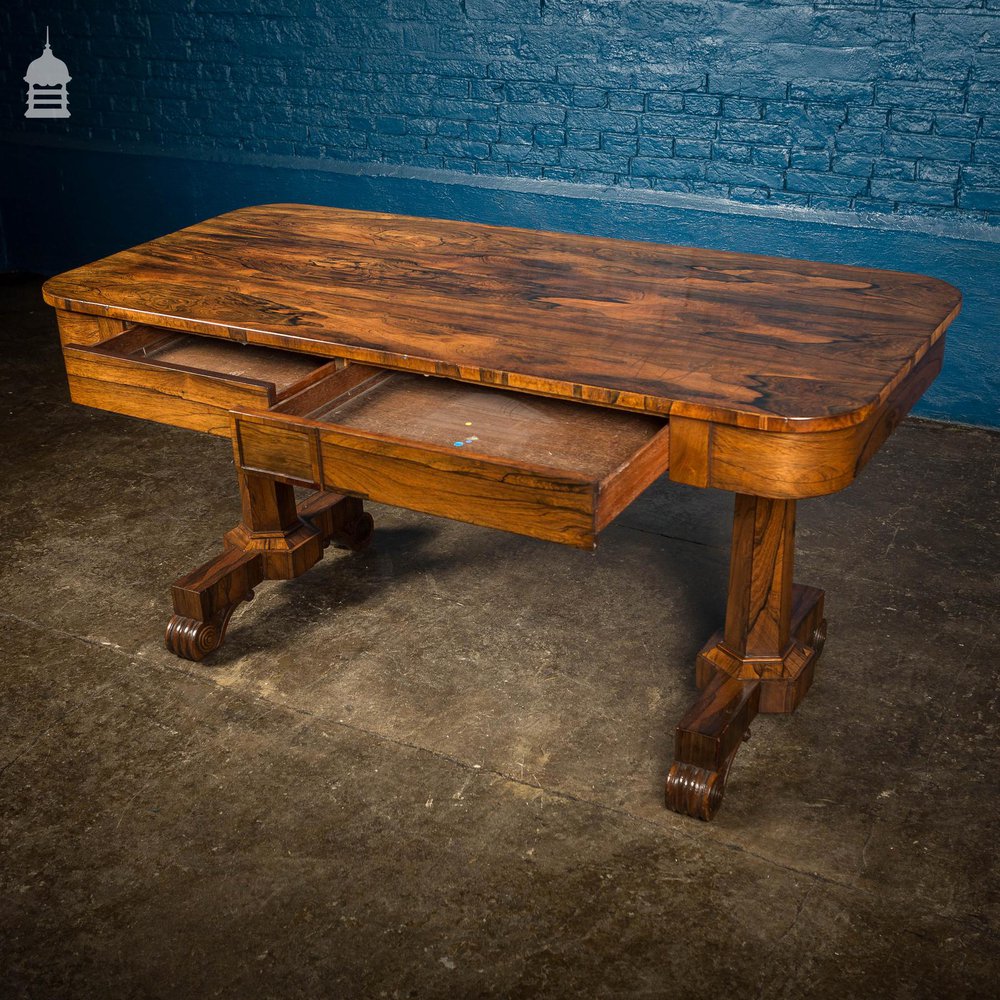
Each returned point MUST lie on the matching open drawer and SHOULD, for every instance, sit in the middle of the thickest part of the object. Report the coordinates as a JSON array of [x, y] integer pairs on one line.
[[549, 468], [185, 380]]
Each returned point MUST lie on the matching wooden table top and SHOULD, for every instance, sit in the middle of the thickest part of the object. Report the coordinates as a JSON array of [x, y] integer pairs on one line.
[[761, 342]]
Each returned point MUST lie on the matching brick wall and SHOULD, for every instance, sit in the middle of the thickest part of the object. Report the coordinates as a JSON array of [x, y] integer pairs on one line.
[[886, 106]]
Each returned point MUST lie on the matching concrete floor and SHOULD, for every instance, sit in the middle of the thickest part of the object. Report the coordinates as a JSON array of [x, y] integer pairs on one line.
[[435, 769]]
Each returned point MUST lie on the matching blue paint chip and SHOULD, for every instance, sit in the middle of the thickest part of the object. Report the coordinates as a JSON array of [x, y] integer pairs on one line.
[[458, 444]]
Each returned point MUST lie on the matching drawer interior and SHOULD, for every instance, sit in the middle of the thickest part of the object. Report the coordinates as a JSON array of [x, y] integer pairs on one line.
[[478, 420], [281, 371]]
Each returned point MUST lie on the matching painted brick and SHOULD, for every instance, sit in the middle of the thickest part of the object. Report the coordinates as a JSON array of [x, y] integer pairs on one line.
[[670, 103], [986, 175], [899, 169], [589, 97], [421, 126], [520, 69], [742, 107], [482, 131], [517, 134], [811, 160], [836, 91], [601, 121], [769, 156], [625, 100], [458, 147], [339, 137], [754, 132], [692, 148], [986, 151], [583, 140], [462, 166], [933, 146], [523, 154], [491, 91], [907, 121], [643, 166], [529, 92], [571, 92], [762, 87], [391, 126], [622, 145], [735, 173], [938, 172], [550, 135], [656, 146], [682, 126], [452, 87], [478, 111], [872, 118], [989, 200], [963, 126], [734, 152], [920, 96], [453, 130], [499, 168], [811, 182], [400, 143], [912, 192], [706, 188], [853, 164], [787, 198], [582, 159], [858, 141], [701, 104], [534, 114]]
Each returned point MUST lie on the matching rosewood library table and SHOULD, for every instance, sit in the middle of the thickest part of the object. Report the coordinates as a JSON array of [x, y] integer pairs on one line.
[[533, 382]]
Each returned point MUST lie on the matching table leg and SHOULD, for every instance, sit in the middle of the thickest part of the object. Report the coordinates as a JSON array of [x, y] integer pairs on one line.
[[761, 661], [276, 540]]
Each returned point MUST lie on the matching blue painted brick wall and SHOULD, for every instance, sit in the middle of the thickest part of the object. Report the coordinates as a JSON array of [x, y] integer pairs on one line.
[[884, 106]]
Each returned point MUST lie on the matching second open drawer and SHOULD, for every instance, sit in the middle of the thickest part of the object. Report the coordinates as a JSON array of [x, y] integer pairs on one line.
[[548, 468], [185, 380]]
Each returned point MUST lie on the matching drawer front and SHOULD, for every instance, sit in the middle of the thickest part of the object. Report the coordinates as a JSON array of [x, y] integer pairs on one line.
[[132, 374], [515, 497], [136, 389]]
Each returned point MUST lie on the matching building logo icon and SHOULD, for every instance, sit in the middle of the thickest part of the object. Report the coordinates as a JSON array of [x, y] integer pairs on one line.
[[46, 79]]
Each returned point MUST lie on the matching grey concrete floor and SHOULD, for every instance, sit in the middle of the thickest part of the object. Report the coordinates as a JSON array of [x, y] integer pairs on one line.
[[435, 769]]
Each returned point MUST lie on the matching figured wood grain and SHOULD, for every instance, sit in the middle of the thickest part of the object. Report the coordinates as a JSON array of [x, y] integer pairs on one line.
[[83, 329], [542, 467], [182, 380], [511, 426], [759, 608], [749, 341], [786, 465]]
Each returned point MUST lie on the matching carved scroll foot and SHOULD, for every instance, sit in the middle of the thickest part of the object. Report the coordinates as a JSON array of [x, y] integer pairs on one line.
[[707, 740], [192, 639], [205, 598], [695, 791]]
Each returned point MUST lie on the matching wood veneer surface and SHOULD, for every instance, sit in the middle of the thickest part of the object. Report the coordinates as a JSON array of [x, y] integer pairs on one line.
[[756, 341], [281, 368], [512, 426]]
